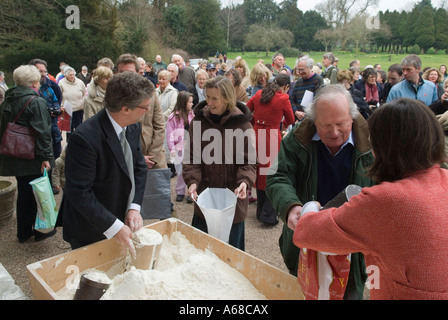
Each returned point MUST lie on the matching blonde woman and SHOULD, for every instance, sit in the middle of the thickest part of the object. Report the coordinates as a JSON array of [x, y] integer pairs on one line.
[[259, 77], [229, 166], [198, 90], [243, 68], [167, 93], [93, 102]]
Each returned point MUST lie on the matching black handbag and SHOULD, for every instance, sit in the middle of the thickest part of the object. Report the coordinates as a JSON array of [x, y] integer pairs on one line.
[[18, 141]]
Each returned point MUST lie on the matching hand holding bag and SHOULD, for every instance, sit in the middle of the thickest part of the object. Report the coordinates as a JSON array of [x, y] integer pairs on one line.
[[18, 141]]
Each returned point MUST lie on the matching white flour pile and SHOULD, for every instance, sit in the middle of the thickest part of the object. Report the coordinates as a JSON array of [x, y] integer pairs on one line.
[[147, 236], [97, 276], [183, 272]]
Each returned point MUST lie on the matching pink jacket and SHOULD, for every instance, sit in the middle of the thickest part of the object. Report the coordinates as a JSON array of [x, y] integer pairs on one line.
[[402, 229], [175, 132]]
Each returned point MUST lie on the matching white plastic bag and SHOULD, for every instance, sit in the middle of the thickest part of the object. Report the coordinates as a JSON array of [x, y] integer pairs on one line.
[[47, 212], [218, 206]]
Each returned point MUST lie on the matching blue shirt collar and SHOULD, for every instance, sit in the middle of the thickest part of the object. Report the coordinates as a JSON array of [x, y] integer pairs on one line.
[[350, 140]]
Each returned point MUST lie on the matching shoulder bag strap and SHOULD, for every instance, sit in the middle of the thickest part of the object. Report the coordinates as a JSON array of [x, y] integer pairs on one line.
[[23, 109]]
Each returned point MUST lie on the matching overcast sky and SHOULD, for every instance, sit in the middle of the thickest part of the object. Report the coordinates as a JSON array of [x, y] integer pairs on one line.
[[383, 5]]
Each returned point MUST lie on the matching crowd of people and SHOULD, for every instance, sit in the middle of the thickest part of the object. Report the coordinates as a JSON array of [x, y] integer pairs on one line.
[[303, 134]]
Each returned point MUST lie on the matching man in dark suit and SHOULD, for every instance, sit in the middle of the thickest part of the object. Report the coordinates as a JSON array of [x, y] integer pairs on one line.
[[101, 199]]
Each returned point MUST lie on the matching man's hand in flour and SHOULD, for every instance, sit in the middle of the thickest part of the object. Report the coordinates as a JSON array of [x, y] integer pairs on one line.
[[124, 237], [134, 220]]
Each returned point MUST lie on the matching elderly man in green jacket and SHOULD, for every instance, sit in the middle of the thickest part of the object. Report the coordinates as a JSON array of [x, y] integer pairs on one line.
[[318, 159]]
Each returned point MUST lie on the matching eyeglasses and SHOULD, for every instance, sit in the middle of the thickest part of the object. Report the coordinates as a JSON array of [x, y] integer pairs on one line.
[[145, 108]]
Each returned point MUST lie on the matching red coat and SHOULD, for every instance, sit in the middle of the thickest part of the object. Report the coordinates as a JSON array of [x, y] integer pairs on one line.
[[267, 121]]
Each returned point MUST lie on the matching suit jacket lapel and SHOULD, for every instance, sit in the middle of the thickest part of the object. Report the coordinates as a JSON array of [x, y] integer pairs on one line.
[[112, 141]]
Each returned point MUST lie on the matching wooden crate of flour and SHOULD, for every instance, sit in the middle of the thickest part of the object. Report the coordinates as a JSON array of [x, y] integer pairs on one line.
[[49, 276]]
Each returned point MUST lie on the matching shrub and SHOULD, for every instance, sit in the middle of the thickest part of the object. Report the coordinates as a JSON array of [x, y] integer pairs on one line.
[[289, 52]]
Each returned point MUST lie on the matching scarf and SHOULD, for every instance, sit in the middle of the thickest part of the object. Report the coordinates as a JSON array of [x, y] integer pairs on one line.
[[100, 92], [372, 94]]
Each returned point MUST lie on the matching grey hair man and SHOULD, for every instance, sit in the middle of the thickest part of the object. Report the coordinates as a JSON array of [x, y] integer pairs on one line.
[[175, 79], [318, 159], [186, 74], [159, 64], [330, 72], [308, 81]]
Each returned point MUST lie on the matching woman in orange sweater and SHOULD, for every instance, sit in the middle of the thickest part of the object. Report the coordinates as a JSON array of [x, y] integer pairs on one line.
[[400, 225]]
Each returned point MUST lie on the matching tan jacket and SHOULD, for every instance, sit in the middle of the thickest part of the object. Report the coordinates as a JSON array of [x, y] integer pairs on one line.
[[58, 173], [93, 102], [153, 134]]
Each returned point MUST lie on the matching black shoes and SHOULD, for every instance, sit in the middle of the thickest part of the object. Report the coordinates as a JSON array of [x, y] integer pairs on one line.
[[38, 236], [181, 197]]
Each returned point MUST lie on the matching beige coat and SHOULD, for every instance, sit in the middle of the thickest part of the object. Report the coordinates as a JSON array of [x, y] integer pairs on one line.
[[58, 173], [93, 102], [168, 99], [153, 134]]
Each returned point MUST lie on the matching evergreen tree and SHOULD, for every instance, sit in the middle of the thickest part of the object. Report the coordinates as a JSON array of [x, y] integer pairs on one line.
[[206, 33], [260, 11], [424, 29], [441, 29], [307, 27], [38, 29]]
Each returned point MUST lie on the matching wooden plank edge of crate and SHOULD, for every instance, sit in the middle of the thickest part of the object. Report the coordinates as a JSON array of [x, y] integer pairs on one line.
[[50, 275]]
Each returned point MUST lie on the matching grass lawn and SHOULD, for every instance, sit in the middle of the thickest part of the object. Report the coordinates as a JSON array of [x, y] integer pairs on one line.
[[428, 60]]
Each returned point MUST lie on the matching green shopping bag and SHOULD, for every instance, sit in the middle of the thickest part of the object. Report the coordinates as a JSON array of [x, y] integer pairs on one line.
[[47, 212]]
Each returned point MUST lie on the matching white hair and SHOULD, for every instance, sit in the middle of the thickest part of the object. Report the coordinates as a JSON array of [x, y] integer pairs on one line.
[[308, 60], [174, 65], [26, 75], [330, 93], [68, 69], [176, 56]]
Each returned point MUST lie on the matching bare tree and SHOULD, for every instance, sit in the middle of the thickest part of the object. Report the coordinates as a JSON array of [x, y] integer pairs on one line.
[[359, 32], [266, 38], [328, 38], [339, 12], [231, 17]]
